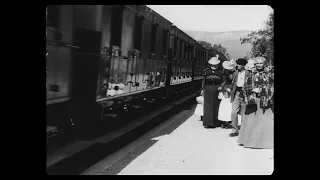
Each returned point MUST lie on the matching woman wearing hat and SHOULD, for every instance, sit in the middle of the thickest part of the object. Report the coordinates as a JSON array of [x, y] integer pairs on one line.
[[228, 72], [250, 65], [257, 123], [211, 84]]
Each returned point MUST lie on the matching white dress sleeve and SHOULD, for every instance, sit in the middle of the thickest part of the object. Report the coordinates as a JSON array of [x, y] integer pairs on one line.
[[220, 95]]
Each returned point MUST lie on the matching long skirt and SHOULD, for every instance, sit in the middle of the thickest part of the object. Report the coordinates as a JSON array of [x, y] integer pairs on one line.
[[257, 129], [211, 106]]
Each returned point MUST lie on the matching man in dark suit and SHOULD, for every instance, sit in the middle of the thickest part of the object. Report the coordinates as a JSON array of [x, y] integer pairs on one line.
[[237, 102]]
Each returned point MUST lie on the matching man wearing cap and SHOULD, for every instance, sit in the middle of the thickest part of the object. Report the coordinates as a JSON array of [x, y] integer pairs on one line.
[[237, 102]]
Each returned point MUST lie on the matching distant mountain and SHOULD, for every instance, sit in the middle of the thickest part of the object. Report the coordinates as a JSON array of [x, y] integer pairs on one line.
[[229, 39]]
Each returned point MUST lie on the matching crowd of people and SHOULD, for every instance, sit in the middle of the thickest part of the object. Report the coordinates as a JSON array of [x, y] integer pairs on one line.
[[240, 89]]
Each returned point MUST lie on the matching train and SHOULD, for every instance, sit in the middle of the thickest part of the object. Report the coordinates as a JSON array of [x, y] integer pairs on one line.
[[103, 60]]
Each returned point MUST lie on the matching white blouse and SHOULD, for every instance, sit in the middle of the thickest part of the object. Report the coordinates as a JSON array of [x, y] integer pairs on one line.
[[240, 80]]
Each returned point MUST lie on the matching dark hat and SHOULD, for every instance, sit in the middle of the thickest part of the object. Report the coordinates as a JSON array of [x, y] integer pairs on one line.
[[227, 88], [241, 61]]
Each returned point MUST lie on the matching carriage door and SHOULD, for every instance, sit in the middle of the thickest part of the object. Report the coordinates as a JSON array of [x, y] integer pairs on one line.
[[86, 64]]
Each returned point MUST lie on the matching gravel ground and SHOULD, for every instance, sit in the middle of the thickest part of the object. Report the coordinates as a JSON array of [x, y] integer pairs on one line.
[[181, 146]]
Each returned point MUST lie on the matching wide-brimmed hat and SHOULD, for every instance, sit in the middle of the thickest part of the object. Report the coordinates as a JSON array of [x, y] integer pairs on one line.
[[241, 61], [228, 65], [250, 64], [214, 60], [232, 61], [261, 58]]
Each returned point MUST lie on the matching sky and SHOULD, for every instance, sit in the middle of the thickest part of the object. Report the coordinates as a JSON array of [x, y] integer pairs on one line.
[[215, 18]]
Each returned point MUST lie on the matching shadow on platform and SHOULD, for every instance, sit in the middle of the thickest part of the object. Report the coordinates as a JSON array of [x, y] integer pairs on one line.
[[84, 159], [125, 161]]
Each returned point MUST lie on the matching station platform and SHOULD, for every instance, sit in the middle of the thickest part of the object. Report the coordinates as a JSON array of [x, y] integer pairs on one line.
[[182, 146]]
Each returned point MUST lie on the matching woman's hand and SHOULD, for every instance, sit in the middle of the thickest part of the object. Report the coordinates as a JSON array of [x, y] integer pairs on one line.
[[219, 88], [252, 98], [256, 90], [270, 99]]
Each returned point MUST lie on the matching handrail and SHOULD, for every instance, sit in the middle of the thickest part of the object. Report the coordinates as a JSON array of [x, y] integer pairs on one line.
[[101, 100], [57, 43]]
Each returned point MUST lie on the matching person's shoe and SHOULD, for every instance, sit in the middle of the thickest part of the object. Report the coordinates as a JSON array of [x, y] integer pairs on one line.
[[233, 134]]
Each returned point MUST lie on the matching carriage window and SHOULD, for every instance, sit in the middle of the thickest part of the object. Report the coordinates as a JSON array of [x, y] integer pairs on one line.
[[197, 52], [175, 46], [186, 50], [181, 48], [165, 41], [138, 33], [202, 56], [116, 26], [53, 16], [153, 37]]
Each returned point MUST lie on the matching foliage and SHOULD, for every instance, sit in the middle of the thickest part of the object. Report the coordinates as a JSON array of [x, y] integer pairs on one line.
[[214, 48], [262, 40], [248, 55]]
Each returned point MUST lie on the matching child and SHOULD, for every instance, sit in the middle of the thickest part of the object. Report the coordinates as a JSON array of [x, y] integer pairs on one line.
[[199, 109], [225, 108]]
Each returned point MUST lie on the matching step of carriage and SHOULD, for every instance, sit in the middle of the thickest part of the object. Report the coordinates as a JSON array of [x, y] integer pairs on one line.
[[52, 131], [162, 98], [110, 115], [151, 101], [134, 106]]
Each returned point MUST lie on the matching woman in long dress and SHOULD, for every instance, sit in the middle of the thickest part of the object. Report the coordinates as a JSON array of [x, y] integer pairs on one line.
[[257, 121], [228, 70], [211, 84]]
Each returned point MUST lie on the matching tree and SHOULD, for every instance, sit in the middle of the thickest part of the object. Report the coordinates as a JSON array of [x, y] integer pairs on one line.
[[206, 45], [262, 40], [216, 49]]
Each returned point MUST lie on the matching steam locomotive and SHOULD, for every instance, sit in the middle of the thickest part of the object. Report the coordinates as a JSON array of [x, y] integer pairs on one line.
[[103, 60]]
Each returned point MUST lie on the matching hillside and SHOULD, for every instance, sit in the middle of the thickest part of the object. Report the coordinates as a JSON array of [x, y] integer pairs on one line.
[[230, 40]]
